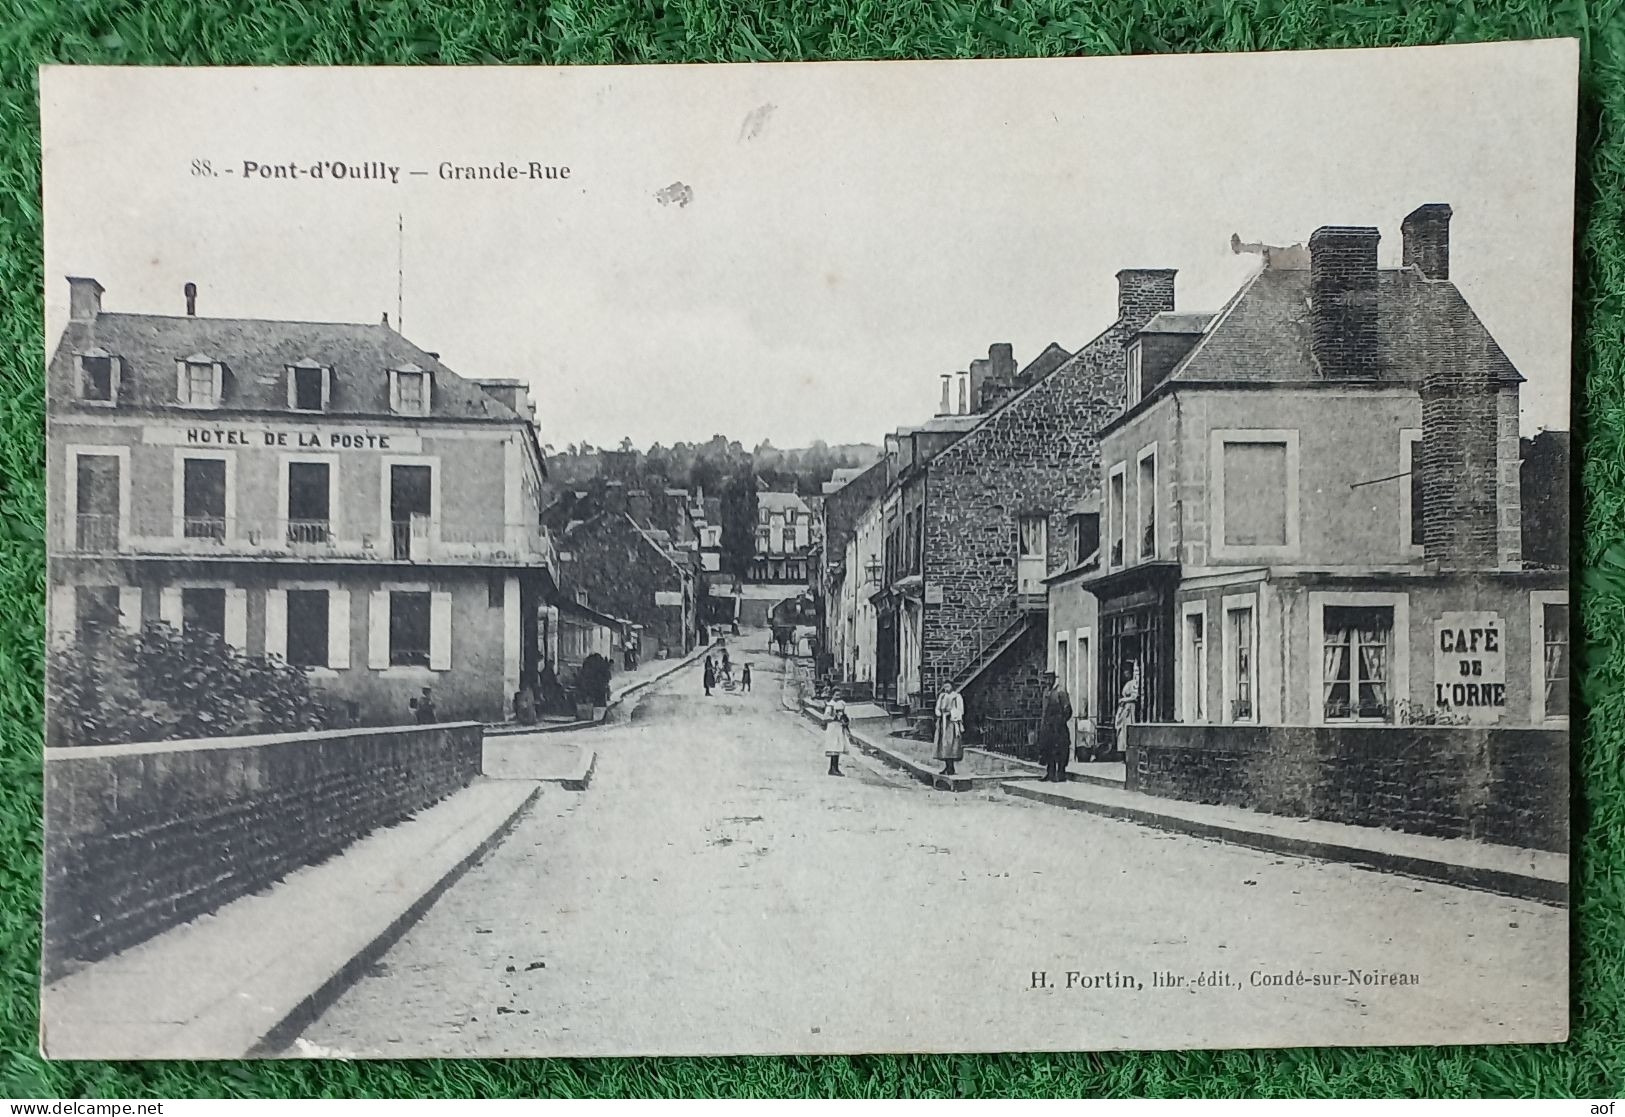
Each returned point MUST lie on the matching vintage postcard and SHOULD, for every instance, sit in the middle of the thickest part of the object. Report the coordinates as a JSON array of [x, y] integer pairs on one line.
[[857, 557]]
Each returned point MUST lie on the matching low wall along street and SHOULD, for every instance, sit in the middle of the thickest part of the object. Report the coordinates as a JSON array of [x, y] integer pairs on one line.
[[1508, 786], [142, 837]]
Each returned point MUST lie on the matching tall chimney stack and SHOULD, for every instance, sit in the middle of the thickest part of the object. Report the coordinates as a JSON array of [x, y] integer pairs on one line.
[[964, 392], [1343, 300], [946, 408], [1143, 293], [84, 298], [1001, 359], [1426, 235], [978, 377], [190, 291]]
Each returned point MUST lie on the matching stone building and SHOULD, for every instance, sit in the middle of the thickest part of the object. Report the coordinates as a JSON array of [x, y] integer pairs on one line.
[[326, 493], [615, 565], [996, 502], [1312, 507], [784, 538], [847, 496]]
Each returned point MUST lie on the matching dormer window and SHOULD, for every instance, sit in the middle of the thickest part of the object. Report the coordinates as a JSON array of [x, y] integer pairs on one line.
[[98, 377], [1134, 378], [409, 390], [199, 381], [310, 386]]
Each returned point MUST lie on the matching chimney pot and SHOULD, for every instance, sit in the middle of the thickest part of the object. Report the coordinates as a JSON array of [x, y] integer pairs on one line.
[[947, 395], [190, 291], [1343, 300], [1425, 233], [84, 298]]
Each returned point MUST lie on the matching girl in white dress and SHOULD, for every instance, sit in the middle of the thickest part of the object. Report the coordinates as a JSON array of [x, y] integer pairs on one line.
[[835, 729]]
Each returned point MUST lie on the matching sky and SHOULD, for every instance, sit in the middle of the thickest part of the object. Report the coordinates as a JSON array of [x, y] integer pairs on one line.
[[851, 232]]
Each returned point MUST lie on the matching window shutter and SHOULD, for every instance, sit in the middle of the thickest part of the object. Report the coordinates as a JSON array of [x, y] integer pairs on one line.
[[292, 374], [428, 393], [183, 386], [219, 383], [440, 631], [276, 623], [237, 618], [115, 373], [378, 630], [338, 629], [63, 613], [394, 391], [327, 387], [169, 606], [129, 608]]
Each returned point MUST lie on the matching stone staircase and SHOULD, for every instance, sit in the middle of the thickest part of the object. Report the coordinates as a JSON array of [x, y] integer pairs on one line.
[[994, 634]]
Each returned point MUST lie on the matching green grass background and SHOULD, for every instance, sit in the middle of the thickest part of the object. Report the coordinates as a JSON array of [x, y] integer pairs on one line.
[[419, 32]]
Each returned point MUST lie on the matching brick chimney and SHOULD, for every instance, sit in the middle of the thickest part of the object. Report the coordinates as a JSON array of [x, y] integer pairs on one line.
[[1461, 459], [978, 377], [1343, 301], [1142, 293], [1001, 360], [1426, 235], [84, 298]]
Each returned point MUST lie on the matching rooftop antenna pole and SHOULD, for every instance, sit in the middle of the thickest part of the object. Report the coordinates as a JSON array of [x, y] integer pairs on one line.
[[400, 266]]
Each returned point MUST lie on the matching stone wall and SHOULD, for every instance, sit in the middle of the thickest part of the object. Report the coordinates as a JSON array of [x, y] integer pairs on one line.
[[622, 569], [1508, 786], [140, 838], [1038, 455]]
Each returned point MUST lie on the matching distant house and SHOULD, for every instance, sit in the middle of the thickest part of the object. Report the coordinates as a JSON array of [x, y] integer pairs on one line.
[[784, 538], [614, 565]]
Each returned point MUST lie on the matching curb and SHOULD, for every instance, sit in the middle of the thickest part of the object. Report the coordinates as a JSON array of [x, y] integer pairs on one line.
[[583, 776], [1517, 885], [510, 729], [302, 1015]]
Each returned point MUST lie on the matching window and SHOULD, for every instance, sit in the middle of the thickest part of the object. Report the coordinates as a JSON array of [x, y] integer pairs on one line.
[[307, 628], [1145, 500], [1135, 391], [97, 489], [1411, 498], [1240, 682], [203, 500], [1356, 675], [1114, 514], [1194, 675], [409, 390], [408, 629], [309, 386], [310, 507], [411, 508], [1549, 628], [1082, 676], [204, 610], [1255, 494], [199, 381], [98, 377], [1085, 536], [95, 611]]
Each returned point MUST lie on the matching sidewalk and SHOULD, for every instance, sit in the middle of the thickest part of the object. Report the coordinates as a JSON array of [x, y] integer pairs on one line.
[[622, 685], [1524, 873], [243, 981]]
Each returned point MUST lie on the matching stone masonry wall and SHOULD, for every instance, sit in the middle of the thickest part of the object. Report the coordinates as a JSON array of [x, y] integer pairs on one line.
[[621, 570], [140, 838], [1508, 786], [1037, 454]]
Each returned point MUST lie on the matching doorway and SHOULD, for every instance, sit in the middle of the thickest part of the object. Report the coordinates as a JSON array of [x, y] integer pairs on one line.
[[410, 505]]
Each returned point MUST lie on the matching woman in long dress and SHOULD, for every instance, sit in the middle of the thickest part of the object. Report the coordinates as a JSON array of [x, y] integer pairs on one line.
[[835, 732], [950, 728]]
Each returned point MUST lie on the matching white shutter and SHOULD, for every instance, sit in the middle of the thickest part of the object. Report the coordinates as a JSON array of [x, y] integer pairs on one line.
[[276, 623], [219, 384], [129, 608], [440, 631], [63, 613], [170, 610], [237, 619], [293, 380], [394, 391], [116, 372], [338, 629], [327, 387], [183, 386], [378, 630]]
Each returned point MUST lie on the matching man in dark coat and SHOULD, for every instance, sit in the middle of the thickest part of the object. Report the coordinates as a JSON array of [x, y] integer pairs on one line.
[[1054, 730]]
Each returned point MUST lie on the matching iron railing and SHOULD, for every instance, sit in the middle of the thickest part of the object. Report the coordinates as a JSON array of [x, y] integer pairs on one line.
[[1011, 736]]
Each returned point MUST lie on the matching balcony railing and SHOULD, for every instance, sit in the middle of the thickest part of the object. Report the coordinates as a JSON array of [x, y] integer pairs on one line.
[[422, 541]]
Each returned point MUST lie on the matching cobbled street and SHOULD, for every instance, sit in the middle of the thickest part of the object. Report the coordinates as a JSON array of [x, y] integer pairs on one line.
[[716, 891]]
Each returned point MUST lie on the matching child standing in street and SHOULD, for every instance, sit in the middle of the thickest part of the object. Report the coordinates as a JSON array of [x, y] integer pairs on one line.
[[744, 677], [835, 732]]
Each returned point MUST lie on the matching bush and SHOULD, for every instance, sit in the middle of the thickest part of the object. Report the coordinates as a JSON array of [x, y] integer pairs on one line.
[[114, 687], [592, 680]]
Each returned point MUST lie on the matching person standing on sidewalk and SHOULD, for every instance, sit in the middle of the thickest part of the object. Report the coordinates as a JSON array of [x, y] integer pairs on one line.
[[836, 726], [1054, 735], [950, 728], [710, 676]]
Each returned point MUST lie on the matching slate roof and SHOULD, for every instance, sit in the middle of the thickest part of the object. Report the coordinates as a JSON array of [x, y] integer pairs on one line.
[[256, 353], [1263, 333], [777, 501]]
